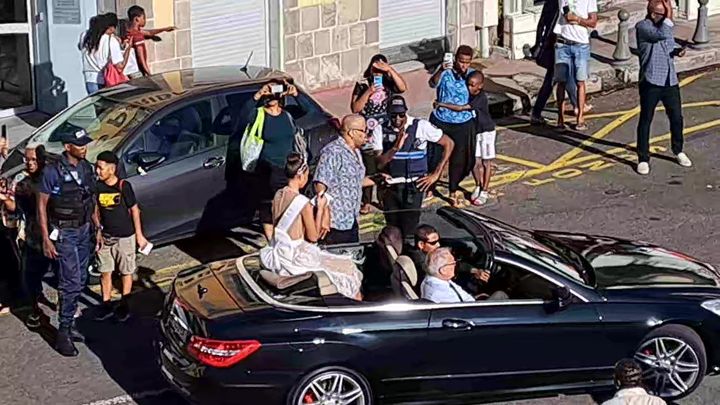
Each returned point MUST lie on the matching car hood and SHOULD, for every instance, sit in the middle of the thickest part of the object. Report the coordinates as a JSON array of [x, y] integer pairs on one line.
[[618, 262]]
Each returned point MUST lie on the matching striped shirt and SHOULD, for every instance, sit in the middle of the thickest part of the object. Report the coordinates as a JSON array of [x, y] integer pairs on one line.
[[655, 45]]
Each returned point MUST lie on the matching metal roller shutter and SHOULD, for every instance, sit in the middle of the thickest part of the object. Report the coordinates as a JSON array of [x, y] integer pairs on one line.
[[407, 21], [224, 32]]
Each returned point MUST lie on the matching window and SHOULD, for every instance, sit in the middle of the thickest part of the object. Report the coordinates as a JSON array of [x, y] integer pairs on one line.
[[521, 284]]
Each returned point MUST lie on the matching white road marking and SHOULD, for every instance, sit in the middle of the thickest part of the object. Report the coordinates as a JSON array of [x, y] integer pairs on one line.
[[129, 398]]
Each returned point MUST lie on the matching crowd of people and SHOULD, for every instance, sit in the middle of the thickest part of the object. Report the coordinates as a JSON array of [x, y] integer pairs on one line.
[[562, 47]]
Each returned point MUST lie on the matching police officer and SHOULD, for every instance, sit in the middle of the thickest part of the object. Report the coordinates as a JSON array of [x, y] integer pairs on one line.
[[403, 143], [20, 199], [66, 208]]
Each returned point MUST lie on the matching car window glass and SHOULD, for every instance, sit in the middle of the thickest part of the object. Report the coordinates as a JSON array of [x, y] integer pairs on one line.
[[179, 134], [521, 284]]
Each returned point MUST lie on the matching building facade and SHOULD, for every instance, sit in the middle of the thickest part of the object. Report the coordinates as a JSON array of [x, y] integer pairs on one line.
[[323, 43]]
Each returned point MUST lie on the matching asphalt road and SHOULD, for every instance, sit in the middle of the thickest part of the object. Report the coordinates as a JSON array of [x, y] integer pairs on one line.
[[545, 180]]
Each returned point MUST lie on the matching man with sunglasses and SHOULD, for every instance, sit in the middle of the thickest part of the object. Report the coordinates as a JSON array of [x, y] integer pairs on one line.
[[340, 175], [403, 143]]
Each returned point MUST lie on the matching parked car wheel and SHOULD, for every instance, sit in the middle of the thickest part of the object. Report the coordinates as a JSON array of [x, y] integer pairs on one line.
[[336, 385], [673, 361]]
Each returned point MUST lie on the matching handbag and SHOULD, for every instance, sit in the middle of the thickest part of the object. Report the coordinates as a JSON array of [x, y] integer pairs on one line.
[[252, 143], [112, 75], [300, 144]]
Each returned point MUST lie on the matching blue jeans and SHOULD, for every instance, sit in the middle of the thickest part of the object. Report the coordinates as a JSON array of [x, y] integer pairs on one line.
[[92, 88], [571, 58], [73, 249], [35, 266], [546, 91]]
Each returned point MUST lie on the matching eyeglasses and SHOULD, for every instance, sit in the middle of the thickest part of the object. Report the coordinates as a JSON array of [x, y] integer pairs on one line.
[[450, 264], [364, 130]]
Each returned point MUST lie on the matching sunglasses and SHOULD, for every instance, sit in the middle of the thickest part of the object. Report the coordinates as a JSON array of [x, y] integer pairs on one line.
[[431, 242], [400, 115]]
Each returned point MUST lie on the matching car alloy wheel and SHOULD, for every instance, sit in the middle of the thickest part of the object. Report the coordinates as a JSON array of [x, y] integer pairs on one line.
[[332, 388], [671, 367]]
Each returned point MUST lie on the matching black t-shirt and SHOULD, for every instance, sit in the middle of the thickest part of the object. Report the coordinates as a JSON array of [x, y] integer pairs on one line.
[[26, 199], [114, 203], [483, 120]]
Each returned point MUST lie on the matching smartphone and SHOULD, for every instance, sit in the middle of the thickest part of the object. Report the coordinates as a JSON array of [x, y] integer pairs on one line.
[[147, 249], [4, 131], [378, 81], [566, 10], [277, 88], [448, 59]]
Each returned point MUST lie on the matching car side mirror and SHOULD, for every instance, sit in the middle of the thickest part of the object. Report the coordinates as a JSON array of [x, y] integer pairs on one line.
[[148, 160], [562, 298]]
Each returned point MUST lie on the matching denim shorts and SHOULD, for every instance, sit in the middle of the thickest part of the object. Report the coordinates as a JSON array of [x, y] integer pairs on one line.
[[574, 57]]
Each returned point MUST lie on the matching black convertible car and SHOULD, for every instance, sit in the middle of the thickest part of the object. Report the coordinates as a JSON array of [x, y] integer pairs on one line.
[[235, 333]]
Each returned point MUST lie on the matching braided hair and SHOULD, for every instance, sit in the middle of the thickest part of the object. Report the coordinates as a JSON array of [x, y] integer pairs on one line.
[[628, 374]]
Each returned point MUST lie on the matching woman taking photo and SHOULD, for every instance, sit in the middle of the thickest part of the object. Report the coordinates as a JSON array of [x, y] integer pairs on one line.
[[293, 248], [369, 99]]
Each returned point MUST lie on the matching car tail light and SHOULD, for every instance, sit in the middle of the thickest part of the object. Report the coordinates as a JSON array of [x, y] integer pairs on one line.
[[221, 353], [335, 123]]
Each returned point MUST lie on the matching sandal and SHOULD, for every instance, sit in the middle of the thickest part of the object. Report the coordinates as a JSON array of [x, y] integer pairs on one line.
[[365, 209], [581, 127]]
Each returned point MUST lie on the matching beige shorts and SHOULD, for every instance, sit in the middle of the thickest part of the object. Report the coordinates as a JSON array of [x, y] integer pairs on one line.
[[118, 253], [485, 145]]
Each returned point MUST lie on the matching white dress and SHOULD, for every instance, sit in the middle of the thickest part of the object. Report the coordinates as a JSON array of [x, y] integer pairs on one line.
[[290, 257]]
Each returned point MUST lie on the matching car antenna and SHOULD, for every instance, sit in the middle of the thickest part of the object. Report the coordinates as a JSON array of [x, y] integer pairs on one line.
[[247, 62]]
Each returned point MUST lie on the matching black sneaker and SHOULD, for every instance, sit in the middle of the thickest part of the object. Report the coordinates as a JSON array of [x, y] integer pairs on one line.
[[76, 336], [122, 311], [104, 311], [33, 320], [64, 344]]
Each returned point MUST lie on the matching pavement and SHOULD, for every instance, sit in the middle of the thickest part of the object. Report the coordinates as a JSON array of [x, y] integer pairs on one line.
[[582, 182]]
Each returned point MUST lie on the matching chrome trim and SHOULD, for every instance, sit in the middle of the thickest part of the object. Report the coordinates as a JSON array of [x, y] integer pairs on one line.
[[497, 374], [389, 307], [629, 287]]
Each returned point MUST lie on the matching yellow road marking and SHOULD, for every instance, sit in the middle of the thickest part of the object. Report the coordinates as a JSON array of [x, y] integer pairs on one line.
[[520, 161], [603, 132]]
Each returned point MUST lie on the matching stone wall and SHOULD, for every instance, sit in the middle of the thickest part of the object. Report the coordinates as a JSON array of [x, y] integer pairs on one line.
[[173, 50], [329, 44]]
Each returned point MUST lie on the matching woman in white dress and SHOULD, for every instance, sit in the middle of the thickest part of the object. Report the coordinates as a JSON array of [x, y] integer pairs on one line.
[[293, 248]]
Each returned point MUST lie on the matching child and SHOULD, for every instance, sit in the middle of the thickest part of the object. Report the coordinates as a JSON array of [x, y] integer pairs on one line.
[[485, 130], [137, 35]]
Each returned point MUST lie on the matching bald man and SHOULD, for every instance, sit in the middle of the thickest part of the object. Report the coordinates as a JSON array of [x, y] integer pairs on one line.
[[340, 176], [658, 81]]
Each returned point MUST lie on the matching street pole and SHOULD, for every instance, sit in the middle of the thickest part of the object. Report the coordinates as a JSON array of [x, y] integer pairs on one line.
[[622, 53], [700, 39]]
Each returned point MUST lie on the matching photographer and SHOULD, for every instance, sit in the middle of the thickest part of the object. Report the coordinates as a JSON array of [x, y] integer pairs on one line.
[[19, 198], [267, 116]]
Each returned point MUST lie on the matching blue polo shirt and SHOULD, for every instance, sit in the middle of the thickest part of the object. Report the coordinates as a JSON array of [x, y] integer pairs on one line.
[[52, 179], [452, 89]]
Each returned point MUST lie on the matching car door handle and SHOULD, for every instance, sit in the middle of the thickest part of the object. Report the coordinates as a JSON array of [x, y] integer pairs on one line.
[[459, 324], [215, 161]]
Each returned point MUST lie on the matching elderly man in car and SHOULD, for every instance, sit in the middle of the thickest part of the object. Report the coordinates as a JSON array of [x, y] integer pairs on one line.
[[438, 286]]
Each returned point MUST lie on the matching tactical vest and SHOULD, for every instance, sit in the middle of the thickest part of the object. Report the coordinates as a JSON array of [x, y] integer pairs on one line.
[[74, 203], [410, 161]]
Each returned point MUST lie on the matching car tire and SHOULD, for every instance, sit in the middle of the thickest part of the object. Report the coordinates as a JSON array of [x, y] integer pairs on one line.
[[352, 383], [672, 340]]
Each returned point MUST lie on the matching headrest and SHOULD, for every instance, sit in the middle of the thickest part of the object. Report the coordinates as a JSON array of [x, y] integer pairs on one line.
[[408, 267], [392, 252], [283, 282]]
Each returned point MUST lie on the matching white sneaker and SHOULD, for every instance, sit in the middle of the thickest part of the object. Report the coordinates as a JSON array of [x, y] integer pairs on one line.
[[475, 194], [643, 168], [481, 199], [683, 160]]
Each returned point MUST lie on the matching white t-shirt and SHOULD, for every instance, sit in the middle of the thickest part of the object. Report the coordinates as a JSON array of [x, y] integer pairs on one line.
[[94, 63], [426, 132], [132, 66], [575, 32]]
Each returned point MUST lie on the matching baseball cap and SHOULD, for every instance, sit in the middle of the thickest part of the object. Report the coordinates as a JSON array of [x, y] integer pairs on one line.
[[397, 105], [77, 138]]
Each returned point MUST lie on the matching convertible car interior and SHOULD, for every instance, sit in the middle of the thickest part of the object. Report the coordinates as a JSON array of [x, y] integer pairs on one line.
[[391, 276]]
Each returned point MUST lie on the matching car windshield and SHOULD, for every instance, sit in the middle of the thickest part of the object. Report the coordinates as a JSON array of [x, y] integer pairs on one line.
[[104, 119], [524, 244]]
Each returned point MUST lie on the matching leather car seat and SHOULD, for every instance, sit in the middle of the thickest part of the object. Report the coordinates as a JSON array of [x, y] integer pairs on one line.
[[404, 278]]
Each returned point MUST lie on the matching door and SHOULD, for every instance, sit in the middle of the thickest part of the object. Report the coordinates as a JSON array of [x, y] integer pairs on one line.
[[518, 343], [186, 171], [423, 28], [16, 81], [226, 32]]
